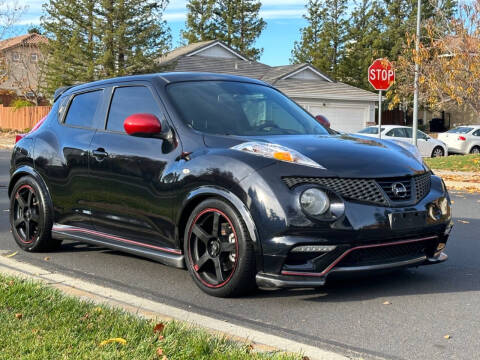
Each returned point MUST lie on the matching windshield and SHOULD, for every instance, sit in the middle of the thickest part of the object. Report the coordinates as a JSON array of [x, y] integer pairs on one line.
[[460, 130], [237, 108], [370, 130]]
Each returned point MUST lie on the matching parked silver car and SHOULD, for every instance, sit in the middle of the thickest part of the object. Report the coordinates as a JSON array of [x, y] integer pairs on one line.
[[462, 139]]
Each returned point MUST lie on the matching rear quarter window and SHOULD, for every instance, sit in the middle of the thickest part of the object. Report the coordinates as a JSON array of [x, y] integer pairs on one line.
[[82, 109]]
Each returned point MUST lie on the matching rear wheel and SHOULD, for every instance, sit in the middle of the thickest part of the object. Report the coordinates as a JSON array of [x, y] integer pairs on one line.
[[218, 250], [438, 152], [31, 216], [475, 150]]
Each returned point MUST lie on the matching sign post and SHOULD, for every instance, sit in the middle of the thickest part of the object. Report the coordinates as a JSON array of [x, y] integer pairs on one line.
[[381, 76]]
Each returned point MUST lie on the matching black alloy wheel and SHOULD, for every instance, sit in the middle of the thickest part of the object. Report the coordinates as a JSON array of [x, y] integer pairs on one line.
[[30, 216], [218, 252]]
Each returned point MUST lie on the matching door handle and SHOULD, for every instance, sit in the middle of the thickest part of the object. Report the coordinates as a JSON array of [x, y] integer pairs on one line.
[[99, 154]]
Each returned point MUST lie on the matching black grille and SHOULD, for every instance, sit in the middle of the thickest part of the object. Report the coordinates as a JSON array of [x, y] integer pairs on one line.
[[356, 189], [422, 185], [370, 190], [386, 254]]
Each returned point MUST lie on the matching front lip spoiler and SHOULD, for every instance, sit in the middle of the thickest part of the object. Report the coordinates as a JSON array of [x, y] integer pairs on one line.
[[285, 281]]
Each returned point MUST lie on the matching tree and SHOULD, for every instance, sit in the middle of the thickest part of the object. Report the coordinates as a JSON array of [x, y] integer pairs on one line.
[[133, 35], [200, 25], [364, 43], [449, 62], [239, 25], [72, 50], [323, 40], [92, 39], [235, 22]]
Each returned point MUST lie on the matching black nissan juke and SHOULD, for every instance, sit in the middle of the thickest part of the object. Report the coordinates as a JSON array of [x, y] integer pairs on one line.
[[223, 175]]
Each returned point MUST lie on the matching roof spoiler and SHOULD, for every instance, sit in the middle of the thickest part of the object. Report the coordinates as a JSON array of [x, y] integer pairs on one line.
[[61, 90]]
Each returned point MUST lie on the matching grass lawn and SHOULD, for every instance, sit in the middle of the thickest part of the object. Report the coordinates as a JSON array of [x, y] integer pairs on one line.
[[38, 322], [455, 163]]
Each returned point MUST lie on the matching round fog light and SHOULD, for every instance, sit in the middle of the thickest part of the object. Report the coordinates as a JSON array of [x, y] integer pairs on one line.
[[314, 201]]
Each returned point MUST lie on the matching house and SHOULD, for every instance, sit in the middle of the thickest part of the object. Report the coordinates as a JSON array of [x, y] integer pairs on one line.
[[348, 108], [21, 58]]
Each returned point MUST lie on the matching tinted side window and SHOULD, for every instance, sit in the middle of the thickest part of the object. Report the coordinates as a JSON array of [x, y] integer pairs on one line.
[[128, 101], [477, 133], [83, 108]]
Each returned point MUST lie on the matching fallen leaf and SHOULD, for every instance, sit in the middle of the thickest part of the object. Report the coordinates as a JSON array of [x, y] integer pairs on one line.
[[387, 303], [164, 357], [161, 337], [11, 283], [113, 340], [305, 358], [98, 309], [159, 351], [464, 221], [159, 328], [19, 316], [12, 254], [46, 258], [447, 337]]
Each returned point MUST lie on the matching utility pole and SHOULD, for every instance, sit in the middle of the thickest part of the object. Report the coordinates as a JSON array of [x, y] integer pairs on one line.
[[417, 70]]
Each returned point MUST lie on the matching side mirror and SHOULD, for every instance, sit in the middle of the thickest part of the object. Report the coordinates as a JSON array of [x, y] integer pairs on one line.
[[143, 125]]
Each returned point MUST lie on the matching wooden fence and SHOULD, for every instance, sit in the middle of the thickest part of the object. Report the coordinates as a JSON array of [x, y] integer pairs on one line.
[[23, 118]]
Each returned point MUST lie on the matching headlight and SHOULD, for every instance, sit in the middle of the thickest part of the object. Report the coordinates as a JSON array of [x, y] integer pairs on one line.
[[314, 201], [277, 152]]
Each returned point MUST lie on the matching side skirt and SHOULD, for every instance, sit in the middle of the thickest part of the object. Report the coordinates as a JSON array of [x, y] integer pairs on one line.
[[167, 256]]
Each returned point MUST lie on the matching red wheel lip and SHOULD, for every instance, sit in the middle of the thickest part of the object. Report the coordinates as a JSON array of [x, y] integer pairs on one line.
[[204, 211], [33, 191]]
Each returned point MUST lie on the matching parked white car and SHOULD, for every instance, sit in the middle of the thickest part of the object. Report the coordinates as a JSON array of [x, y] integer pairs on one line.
[[428, 146], [462, 139]]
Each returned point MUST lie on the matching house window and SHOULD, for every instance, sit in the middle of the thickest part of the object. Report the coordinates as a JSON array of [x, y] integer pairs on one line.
[[34, 57], [16, 56]]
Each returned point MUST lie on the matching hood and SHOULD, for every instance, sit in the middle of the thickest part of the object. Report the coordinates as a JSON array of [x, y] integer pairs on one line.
[[342, 155]]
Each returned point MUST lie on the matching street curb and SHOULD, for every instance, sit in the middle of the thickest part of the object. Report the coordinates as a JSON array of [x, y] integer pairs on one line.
[[154, 310]]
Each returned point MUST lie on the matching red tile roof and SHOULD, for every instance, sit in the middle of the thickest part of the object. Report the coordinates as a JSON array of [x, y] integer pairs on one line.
[[27, 39]]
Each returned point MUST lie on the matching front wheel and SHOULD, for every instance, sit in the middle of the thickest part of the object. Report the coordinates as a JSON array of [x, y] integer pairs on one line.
[[438, 152], [218, 250]]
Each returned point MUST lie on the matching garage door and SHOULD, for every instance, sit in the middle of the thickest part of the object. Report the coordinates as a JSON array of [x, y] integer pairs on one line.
[[345, 118]]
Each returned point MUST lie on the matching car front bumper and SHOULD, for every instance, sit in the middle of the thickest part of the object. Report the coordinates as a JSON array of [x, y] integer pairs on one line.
[[290, 279]]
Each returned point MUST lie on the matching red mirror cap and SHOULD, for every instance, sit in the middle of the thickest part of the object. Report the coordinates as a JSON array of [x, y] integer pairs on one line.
[[142, 124]]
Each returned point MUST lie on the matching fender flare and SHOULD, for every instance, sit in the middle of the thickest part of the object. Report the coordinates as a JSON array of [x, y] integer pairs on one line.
[[230, 197], [25, 170]]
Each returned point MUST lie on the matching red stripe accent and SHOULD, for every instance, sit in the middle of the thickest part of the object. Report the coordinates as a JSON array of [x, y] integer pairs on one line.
[[332, 265], [168, 250]]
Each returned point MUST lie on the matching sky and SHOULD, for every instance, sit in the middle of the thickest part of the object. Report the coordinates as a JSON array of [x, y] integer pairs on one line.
[[283, 17]]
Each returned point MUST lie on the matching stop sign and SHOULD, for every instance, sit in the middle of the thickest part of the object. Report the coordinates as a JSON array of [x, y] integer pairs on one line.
[[381, 74]]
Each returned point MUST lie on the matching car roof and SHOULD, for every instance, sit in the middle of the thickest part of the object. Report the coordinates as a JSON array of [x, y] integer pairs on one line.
[[166, 78]]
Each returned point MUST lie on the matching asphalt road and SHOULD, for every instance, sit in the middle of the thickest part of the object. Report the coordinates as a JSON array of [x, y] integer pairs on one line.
[[348, 315]]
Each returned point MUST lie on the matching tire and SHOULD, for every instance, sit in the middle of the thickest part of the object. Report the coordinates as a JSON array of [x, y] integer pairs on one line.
[[221, 263], [30, 208], [438, 152], [475, 150]]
